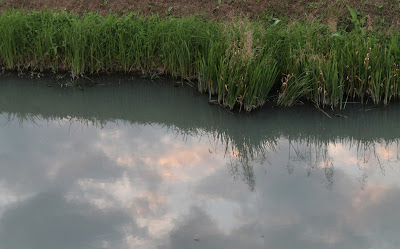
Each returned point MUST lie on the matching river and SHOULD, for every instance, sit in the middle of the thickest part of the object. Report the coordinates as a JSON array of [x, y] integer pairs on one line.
[[134, 163]]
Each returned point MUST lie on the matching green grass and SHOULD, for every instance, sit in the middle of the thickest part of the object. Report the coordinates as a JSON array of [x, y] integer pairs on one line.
[[240, 64]]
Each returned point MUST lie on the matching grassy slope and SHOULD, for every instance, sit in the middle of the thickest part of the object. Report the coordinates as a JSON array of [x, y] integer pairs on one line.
[[378, 13]]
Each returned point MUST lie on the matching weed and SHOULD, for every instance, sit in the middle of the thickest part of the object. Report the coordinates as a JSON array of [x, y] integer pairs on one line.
[[168, 12], [219, 2]]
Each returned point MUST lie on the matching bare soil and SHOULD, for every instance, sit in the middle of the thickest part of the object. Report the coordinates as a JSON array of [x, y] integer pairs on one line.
[[376, 13]]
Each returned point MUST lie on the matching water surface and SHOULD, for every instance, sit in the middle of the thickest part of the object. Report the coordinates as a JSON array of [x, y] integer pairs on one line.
[[143, 164]]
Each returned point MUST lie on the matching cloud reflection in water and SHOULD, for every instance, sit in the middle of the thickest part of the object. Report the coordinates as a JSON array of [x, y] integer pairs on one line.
[[85, 181]]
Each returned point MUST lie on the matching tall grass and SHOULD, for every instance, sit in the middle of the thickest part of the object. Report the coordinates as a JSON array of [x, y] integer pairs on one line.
[[241, 64], [359, 65]]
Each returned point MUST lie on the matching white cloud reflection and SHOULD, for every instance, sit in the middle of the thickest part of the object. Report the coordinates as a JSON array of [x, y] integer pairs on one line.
[[151, 187]]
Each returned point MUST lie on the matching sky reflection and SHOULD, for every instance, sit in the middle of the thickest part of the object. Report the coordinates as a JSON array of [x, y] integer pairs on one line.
[[68, 182], [144, 186]]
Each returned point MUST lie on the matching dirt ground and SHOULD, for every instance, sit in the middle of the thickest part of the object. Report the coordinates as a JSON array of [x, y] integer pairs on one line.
[[377, 13]]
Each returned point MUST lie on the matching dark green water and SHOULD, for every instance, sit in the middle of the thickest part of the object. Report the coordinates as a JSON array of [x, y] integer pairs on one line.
[[144, 164]]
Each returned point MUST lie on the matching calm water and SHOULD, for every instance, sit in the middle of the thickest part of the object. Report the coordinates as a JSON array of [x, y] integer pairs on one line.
[[147, 165]]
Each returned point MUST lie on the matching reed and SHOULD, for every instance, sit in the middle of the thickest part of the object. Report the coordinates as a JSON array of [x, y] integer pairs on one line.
[[241, 64]]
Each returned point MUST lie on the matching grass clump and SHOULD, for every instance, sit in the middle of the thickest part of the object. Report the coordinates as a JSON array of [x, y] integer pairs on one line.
[[239, 67], [241, 64]]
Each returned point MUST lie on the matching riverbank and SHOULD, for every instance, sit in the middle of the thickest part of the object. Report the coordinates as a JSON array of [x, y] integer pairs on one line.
[[241, 63], [376, 13]]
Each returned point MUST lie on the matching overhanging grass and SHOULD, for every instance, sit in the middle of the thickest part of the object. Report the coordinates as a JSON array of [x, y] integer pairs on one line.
[[241, 63]]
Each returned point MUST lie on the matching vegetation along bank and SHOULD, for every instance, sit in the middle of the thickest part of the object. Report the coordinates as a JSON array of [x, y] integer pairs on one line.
[[241, 63]]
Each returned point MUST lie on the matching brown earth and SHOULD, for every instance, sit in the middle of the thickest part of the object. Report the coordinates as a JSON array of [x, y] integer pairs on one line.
[[377, 13]]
